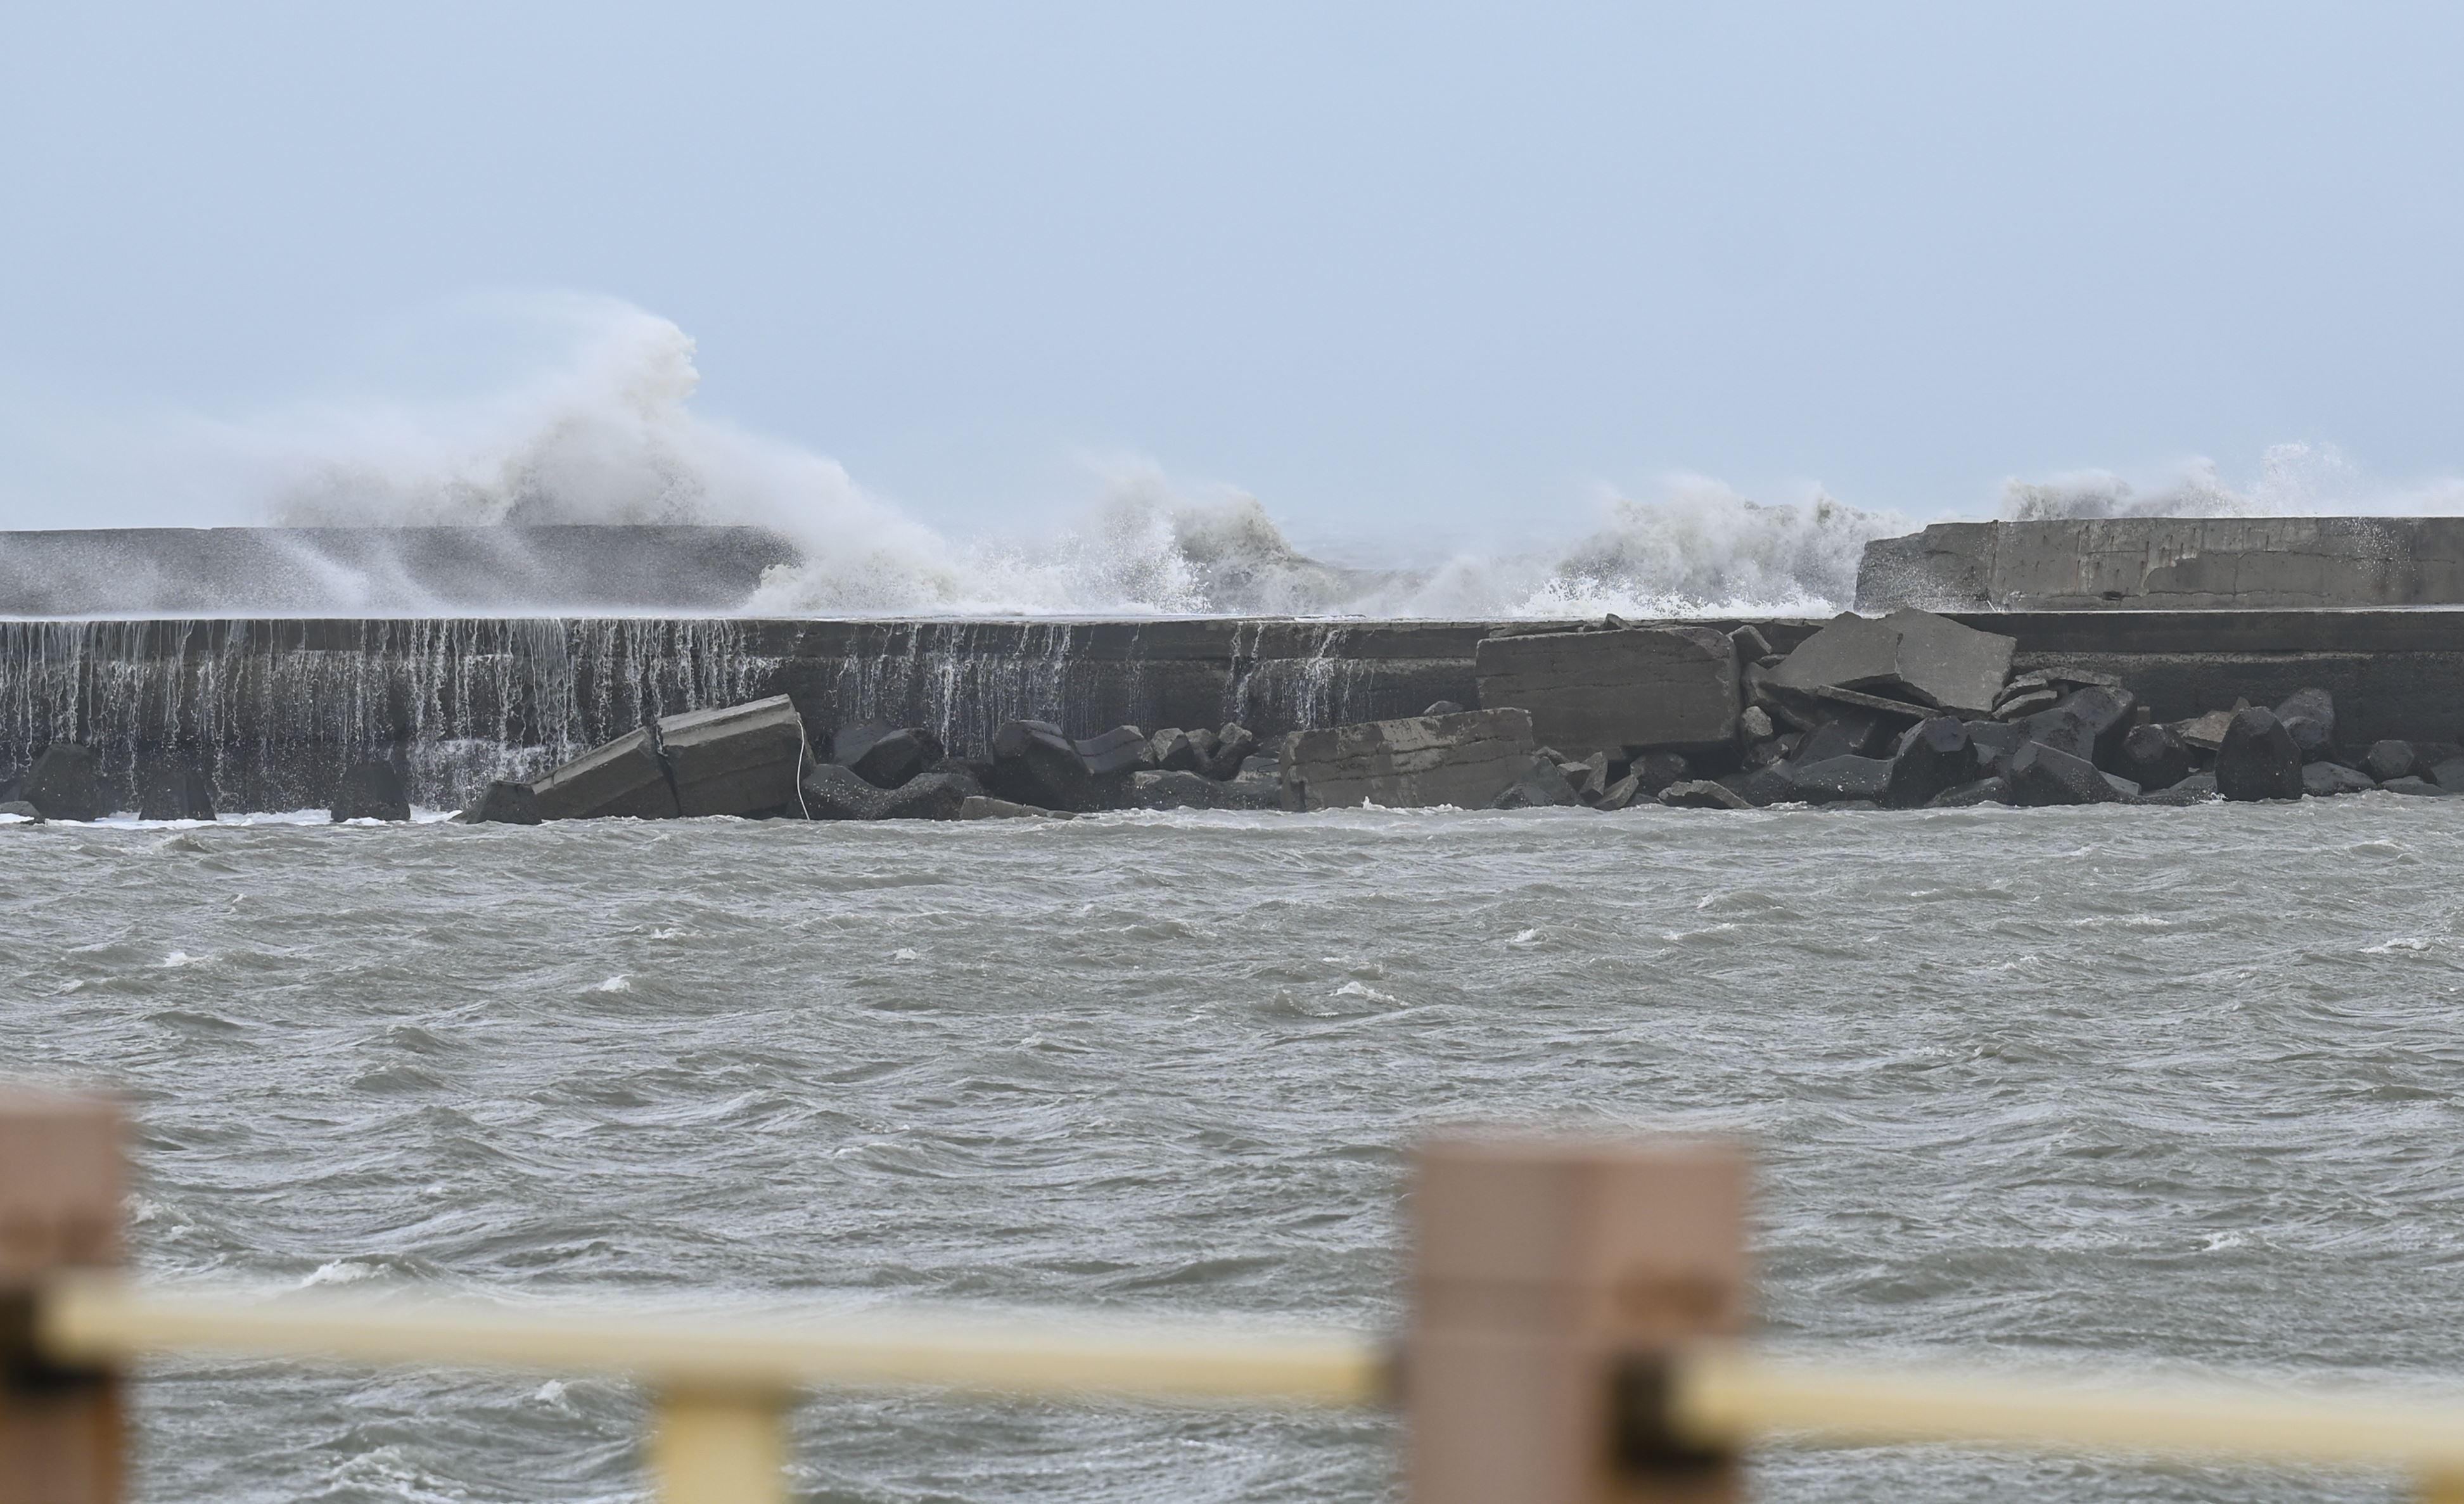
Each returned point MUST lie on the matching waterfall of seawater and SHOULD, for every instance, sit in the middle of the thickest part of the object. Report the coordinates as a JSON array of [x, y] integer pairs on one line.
[[272, 711]]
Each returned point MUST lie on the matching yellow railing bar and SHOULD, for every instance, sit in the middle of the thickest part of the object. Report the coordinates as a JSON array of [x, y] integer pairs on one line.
[[1728, 1397], [94, 1320]]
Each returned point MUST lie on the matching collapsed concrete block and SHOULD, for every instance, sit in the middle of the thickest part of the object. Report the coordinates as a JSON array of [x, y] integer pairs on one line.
[[372, 791], [1414, 763], [884, 756], [1908, 656], [1541, 785], [738, 761], [2259, 759], [625, 777], [62, 784], [1677, 688], [1034, 763]]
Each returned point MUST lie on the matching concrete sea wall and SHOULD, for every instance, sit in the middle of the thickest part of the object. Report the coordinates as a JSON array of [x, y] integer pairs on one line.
[[272, 710], [2168, 563]]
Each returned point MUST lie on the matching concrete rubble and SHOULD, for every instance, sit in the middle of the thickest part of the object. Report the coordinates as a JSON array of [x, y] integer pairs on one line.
[[1900, 712]]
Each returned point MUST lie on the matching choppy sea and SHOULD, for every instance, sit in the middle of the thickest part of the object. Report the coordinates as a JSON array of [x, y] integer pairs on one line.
[[2180, 1087]]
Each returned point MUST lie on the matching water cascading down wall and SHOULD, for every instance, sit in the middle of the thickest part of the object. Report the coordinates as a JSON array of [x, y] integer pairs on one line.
[[271, 710]]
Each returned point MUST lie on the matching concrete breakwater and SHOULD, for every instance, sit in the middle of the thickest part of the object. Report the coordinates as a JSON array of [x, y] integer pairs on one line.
[[272, 711]]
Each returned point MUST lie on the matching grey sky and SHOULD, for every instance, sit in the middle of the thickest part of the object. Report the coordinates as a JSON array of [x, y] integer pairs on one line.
[[1398, 269]]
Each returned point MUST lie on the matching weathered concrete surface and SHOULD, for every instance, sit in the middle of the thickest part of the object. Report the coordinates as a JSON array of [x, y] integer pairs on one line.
[[737, 760], [2177, 564], [1908, 656], [1410, 763], [1661, 687], [625, 776]]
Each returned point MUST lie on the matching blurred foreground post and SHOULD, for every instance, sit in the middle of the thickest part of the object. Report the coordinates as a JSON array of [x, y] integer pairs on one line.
[[720, 1447], [62, 1172], [1551, 1278]]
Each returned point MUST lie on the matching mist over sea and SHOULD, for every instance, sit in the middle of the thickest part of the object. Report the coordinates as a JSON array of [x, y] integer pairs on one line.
[[2168, 1086], [596, 423]]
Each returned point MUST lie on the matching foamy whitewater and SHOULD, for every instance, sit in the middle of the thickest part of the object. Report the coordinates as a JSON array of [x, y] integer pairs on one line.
[[602, 432]]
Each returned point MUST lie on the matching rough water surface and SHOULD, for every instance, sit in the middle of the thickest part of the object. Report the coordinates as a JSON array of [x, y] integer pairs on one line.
[[2168, 1086]]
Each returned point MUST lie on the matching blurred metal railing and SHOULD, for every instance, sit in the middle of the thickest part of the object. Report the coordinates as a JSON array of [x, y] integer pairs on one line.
[[1574, 1342]]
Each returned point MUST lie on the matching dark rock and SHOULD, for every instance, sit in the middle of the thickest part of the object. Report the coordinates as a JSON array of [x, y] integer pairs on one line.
[[2122, 788], [1465, 760], [2259, 759], [1670, 687], [2042, 775], [1933, 756], [1443, 707], [2323, 779], [1838, 778], [1173, 752], [2205, 733], [505, 803], [849, 744], [372, 791], [19, 810], [1778, 749], [1702, 794], [1763, 787], [1854, 733], [2309, 716], [2389, 760], [929, 796], [1908, 655], [2156, 756], [181, 791], [2021, 706], [1589, 777], [1234, 746], [2413, 785], [989, 808], [62, 784], [737, 760], [1657, 770], [831, 792], [1543, 784], [1621, 793], [1990, 742], [1116, 753], [1983, 791], [2449, 775], [1033, 763], [625, 776], [2203, 783], [886, 757], [2091, 723]]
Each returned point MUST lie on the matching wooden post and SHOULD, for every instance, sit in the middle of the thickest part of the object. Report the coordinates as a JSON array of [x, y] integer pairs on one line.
[[720, 1447], [62, 1174], [1550, 1276]]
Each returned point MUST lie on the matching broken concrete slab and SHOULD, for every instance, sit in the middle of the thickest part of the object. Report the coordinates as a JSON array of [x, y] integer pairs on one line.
[[1414, 763], [1677, 688], [738, 761], [1909, 654], [625, 777]]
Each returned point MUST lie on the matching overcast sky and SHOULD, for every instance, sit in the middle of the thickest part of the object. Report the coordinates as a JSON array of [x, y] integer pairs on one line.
[[1392, 268]]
